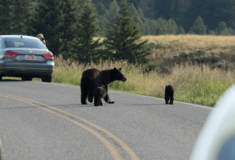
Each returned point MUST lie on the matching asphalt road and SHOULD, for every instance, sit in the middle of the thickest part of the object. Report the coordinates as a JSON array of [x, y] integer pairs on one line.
[[45, 121]]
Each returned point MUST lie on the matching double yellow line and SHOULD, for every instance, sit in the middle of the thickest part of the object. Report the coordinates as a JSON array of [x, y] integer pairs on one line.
[[110, 147]]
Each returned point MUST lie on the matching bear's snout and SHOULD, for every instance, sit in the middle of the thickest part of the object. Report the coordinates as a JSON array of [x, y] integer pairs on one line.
[[124, 79]]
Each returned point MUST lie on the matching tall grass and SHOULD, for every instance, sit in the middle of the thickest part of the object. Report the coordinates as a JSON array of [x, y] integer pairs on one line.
[[191, 83]]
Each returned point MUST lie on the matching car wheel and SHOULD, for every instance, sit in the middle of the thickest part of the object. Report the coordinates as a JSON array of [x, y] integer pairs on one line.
[[26, 78], [0, 77], [46, 79]]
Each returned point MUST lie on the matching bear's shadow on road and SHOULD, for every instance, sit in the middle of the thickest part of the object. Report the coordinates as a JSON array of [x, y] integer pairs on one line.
[[11, 80], [104, 105], [74, 105]]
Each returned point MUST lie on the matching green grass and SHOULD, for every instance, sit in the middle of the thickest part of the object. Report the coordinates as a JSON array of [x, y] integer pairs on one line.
[[204, 92]]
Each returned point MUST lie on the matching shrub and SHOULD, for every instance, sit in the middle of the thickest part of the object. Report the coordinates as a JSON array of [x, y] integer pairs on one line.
[[223, 64], [164, 69], [150, 67], [183, 55], [200, 53]]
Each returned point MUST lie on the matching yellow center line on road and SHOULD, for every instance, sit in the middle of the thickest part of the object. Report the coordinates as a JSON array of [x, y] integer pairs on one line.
[[110, 147], [131, 153]]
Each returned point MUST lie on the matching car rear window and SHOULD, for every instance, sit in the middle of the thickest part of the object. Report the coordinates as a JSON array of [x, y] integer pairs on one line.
[[24, 43]]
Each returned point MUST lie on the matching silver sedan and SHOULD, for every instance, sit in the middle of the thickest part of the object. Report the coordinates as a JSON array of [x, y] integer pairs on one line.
[[26, 57]]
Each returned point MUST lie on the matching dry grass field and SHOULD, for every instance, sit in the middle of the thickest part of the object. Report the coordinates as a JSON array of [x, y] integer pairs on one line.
[[168, 46], [172, 45]]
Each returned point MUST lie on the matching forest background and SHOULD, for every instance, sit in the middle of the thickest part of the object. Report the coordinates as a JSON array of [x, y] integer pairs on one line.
[[157, 17]]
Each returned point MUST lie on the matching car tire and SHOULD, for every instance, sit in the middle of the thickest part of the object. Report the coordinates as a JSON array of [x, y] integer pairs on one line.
[[0, 77], [26, 78], [46, 79]]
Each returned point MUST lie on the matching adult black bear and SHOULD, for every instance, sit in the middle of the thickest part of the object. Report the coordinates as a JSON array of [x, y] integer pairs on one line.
[[93, 78], [169, 94], [100, 93]]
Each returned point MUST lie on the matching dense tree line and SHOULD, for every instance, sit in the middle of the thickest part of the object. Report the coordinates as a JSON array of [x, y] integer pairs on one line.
[[183, 12], [157, 16]]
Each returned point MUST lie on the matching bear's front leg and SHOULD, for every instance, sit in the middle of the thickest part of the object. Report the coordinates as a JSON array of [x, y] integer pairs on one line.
[[83, 97], [106, 99], [171, 100], [83, 100], [90, 97], [101, 104], [98, 102], [166, 99]]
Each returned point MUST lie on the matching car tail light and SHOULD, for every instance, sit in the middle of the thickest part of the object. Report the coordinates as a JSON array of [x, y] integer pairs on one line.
[[10, 54], [48, 56]]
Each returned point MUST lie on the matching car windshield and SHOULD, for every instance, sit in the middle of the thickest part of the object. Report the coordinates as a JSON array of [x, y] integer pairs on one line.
[[24, 43]]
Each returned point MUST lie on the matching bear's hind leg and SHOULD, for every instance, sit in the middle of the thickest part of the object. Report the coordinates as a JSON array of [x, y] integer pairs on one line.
[[106, 99], [171, 98]]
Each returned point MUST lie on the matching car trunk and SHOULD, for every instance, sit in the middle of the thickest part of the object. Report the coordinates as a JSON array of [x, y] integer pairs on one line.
[[29, 56]]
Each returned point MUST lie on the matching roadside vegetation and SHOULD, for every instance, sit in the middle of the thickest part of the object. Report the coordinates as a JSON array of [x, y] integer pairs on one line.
[[198, 83]]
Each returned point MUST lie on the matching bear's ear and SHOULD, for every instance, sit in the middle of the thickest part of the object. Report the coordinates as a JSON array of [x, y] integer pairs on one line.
[[115, 68], [120, 69]]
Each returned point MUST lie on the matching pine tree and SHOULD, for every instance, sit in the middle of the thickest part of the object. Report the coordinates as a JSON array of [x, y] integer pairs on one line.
[[47, 20], [171, 27], [161, 25], [211, 32], [102, 20], [198, 26], [86, 49], [111, 13], [22, 11], [6, 12], [227, 31], [180, 30], [150, 27], [123, 39], [222, 26], [143, 20], [68, 25], [136, 17]]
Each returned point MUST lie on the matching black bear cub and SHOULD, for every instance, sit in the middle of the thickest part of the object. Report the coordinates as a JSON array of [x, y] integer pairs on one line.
[[169, 94], [100, 93], [94, 78]]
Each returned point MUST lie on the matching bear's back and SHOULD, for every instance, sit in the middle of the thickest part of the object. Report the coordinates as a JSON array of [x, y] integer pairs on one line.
[[169, 89], [91, 73]]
